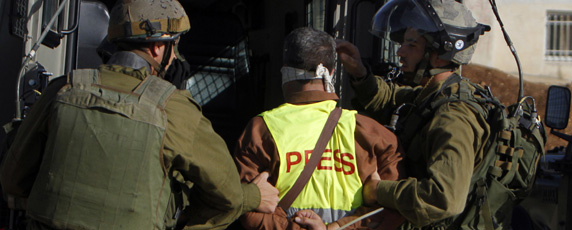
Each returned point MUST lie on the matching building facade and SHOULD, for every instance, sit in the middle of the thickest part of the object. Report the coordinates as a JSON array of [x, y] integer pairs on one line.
[[541, 32]]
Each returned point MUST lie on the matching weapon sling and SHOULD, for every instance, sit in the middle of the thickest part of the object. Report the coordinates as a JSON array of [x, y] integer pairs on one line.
[[308, 170]]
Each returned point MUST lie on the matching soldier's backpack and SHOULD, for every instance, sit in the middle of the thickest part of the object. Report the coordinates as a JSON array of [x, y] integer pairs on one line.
[[506, 174]]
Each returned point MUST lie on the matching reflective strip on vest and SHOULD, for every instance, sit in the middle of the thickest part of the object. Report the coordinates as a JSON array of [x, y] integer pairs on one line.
[[102, 162], [334, 190]]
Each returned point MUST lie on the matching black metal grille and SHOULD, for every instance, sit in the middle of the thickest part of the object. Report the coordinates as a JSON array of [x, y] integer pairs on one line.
[[219, 73], [19, 18]]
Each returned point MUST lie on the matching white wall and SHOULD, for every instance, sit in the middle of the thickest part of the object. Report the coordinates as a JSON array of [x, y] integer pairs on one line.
[[525, 22]]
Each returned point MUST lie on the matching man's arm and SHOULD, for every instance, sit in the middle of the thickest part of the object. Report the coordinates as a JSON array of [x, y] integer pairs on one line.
[[256, 152], [373, 94], [379, 157], [196, 151], [383, 145]]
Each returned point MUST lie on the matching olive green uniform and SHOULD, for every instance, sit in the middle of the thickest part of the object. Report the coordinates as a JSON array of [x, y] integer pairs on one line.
[[191, 149], [440, 156]]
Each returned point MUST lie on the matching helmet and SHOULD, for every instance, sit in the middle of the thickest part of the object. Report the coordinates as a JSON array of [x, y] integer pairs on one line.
[[147, 21], [448, 25]]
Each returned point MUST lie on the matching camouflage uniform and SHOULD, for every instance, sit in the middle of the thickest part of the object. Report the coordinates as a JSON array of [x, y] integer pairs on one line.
[[175, 141], [195, 154], [439, 159]]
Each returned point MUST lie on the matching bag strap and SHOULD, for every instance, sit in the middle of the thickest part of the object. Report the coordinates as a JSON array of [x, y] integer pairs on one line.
[[308, 170]]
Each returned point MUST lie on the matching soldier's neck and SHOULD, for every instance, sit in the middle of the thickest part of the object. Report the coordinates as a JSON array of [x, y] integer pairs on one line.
[[129, 59]]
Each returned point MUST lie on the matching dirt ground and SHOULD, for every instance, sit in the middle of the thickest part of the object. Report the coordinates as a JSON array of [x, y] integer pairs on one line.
[[505, 88]]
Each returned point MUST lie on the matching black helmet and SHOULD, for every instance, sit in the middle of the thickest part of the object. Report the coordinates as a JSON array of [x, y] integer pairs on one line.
[[448, 25]]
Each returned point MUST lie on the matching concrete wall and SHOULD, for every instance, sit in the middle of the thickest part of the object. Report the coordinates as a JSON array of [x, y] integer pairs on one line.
[[525, 22]]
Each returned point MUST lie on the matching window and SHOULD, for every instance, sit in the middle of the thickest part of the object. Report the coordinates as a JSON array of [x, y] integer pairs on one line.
[[559, 36], [220, 73], [387, 49], [315, 14], [381, 53], [50, 9]]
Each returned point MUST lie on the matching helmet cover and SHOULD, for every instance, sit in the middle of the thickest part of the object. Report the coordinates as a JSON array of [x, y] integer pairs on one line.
[[147, 21]]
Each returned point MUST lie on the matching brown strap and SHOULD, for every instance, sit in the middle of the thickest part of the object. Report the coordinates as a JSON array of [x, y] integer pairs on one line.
[[316, 156], [156, 66]]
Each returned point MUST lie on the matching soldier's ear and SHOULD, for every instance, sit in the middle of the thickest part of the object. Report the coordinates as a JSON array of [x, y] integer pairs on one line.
[[156, 49]]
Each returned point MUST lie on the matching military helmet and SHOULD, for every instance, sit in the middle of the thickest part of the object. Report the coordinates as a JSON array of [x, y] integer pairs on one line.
[[448, 25], [147, 21]]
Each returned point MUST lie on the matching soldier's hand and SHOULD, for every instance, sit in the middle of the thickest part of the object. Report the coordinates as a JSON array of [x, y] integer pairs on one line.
[[268, 194], [370, 189], [349, 55]]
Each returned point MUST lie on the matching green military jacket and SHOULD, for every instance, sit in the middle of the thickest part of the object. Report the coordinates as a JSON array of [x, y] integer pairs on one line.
[[192, 152], [440, 157]]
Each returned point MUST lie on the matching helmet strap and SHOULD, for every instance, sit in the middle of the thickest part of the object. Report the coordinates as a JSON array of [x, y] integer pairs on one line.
[[177, 54], [156, 66], [422, 68], [166, 59]]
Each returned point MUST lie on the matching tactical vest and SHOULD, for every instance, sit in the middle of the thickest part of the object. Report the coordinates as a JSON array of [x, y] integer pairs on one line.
[[510, 156], [102, 166], [335, 188]]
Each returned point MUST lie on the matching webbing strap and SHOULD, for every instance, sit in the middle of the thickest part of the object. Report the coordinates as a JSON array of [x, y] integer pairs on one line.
[[464, 94], [486, 214], [308, 170], [148, 58], [483, 202], [434, 104], [422, 68]]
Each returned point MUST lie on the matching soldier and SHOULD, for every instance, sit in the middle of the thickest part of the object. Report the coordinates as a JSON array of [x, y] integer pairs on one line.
[[119, 148], [441, 149]]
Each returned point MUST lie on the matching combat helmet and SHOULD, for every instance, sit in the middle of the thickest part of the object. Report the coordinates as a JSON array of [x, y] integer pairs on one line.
[[141, 21], [147, 21], [448, 26]]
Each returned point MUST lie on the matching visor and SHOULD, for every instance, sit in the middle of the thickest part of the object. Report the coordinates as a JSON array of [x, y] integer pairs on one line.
[[449, 37], [398, 15]]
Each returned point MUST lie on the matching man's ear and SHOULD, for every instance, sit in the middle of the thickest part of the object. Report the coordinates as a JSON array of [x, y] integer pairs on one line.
[[156, 49]]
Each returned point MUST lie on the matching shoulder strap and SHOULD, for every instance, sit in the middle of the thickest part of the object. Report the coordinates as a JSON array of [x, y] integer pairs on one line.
[[308, 170], [155, 91], [463, 94], [83, 78]]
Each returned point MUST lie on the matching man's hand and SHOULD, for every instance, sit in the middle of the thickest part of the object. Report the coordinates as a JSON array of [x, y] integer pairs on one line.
[[268, 194], [309, 219], [349, 55], [370, 189]]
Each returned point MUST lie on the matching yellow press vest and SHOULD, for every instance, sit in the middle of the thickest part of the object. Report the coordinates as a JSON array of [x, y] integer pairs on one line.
[[334, 190]]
